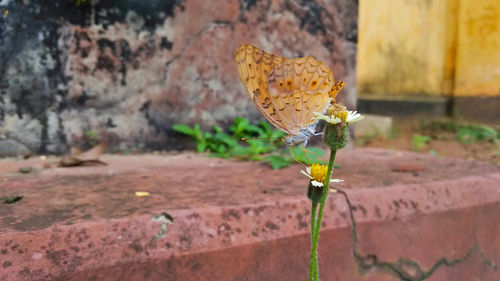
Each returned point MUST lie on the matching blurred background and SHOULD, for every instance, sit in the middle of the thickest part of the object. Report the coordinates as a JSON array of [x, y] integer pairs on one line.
[[75, 72]]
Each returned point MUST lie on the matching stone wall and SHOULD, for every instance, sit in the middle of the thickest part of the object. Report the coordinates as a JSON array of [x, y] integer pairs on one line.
[[128, 70]]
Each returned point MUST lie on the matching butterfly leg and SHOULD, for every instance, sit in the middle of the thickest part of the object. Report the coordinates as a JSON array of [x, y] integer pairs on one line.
[[293, 155], [305, 153]]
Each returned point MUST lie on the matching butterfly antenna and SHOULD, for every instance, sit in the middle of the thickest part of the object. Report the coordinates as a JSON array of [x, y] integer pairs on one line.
[[245, 139]]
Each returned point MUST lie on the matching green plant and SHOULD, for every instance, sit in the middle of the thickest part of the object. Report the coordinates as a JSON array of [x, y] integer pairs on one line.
[[465, 133], [471, 133], [263, 144], [419, 141]]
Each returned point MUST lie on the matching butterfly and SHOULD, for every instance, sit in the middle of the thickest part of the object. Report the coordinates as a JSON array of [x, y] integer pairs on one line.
[[287, 91]]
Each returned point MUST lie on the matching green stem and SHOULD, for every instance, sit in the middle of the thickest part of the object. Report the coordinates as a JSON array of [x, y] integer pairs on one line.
[[314, 264], [314, 210], [314, 250]]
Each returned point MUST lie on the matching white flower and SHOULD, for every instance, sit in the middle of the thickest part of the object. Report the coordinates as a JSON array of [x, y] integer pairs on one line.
[[352, 116], [317, 175]]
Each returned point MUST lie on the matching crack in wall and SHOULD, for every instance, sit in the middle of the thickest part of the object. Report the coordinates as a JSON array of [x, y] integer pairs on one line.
[[404, 268]]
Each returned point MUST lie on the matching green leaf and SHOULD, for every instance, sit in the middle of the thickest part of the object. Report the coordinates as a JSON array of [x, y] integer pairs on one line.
[[206, 135], [224, 138], [200, 147], [218, 129], [183, 129], [239, 151], [277, 134], [239, 126], [266, 127], [277, 161], [222, 152], [252, 129], [313, 155], [316, 151], [419, 141]]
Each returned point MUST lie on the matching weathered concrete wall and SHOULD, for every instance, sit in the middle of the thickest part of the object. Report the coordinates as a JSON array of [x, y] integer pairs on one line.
[[217, 219], [129, 70]]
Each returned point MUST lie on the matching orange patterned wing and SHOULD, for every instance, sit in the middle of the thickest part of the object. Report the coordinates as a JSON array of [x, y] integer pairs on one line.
[[336, 89], [299, 87], [254, 65], [286, 91]]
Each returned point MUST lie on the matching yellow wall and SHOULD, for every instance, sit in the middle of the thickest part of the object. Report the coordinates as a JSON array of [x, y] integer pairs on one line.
[[478, 48], [411, 48]]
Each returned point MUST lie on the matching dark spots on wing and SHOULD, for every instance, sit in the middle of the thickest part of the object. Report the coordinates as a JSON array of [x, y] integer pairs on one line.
[[273, 113], [256, 93], [267, 103]]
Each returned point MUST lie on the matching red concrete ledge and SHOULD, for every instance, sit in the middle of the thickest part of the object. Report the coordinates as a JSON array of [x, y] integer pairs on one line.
[[416, 217]]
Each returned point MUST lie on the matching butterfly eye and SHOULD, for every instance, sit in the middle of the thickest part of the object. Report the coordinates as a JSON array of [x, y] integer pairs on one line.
[[313, 83], [289, 83], [281, 84]]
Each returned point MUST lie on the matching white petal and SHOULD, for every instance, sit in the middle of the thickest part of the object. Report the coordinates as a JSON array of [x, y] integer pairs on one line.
[[321, 116], [336, 180], [317, 183], [353, 116], [306, 174]]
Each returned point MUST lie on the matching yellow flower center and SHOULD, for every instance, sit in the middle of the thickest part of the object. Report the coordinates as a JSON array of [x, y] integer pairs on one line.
[[338, 111], [318, 172]]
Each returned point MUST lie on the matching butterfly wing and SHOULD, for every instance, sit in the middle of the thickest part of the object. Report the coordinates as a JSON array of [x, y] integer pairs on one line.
[[298, 87], [254, 66], [286, 91]]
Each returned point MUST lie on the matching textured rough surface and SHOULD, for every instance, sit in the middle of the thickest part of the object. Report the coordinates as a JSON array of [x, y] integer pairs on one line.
[[373, 125], [128, 70], [409, 217]]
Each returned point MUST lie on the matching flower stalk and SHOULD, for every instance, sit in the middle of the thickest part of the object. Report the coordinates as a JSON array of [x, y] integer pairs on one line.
[[335, 136], [313, 265]]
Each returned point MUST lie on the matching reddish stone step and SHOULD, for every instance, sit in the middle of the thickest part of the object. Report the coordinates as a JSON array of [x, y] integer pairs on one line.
[[214, 219]]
